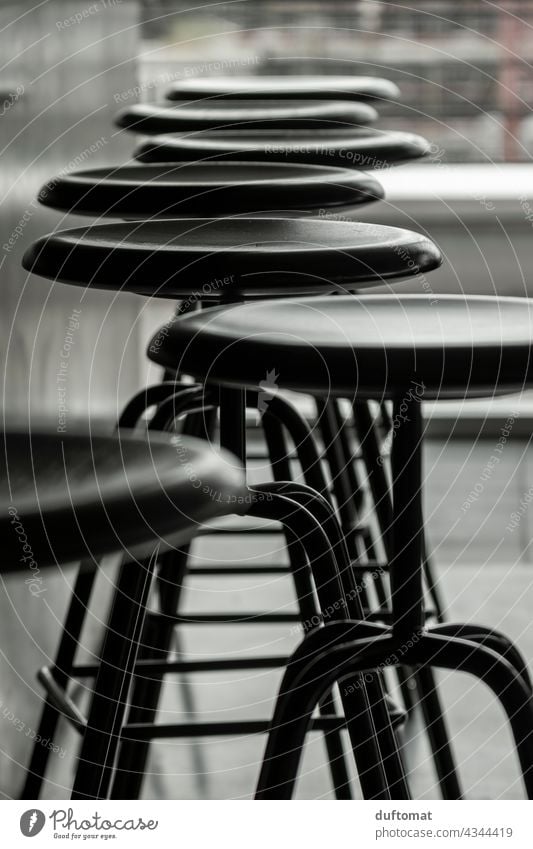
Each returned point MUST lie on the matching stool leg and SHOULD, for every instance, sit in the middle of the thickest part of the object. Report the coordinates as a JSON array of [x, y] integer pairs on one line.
[[61, 671], [301, 689], [437, 731], [155, 644], [368, 721], [301, 575], [280, 411], [494, 640], [298, 695], [115, 671], [156, 640]]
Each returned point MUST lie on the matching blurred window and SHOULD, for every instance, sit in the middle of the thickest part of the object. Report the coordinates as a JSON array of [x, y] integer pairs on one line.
[[465, 67]]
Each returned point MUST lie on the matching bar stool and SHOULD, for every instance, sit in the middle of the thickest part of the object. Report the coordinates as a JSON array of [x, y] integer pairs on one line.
[[246, 115], [228, 188], [277, 87], [356, 147], [175, 258], [78, 496], [407, 349]]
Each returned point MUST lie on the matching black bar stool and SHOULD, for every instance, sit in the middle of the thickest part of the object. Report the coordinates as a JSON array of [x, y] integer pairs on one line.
[[88, 494], [277, 87], [262, 256], [79, 496], [245, 115], [406, 349], [355, 148], [170, 258], [223, 188]]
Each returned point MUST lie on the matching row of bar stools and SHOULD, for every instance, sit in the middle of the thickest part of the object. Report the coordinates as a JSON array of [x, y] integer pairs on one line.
[[123, 186], [145, 192], [328, 144], [263, 255], [232, 188], [406, 349], [359, 147], [134, 192], [378, 150]]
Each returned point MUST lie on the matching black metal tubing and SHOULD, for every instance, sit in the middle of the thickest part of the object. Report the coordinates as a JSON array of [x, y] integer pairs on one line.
[[314, 642], [233, 421], [223, 664], [141, 402], [380, 490], [300, 691], [368, 721], [406, 574], [156, 636], [190, 400], [347, 500], [242, 728], [281, 413], [376, 474], [491, 638], [352, 607], [60, 672], [115, 673], [407, 525], [308, 457], [302, 573], [70, 635]]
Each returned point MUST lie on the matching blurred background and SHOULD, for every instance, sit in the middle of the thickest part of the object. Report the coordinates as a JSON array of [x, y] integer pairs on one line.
[[465, 72]]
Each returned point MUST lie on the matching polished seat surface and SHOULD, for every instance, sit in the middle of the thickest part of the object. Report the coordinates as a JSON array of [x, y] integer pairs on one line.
[[184, 189], [358, 147], [78, 495], [153, 119], [361, 346], [228, 257], [277, 87]]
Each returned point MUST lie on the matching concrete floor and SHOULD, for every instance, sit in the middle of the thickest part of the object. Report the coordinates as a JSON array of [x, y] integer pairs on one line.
[[485, 575]]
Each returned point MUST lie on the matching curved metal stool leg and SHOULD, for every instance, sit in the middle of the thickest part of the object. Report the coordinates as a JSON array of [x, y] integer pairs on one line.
[[301, 689], [376, 751], [491, 638], [60, 672], [309, 610], [115, 671], [156, 638], [429, 698]]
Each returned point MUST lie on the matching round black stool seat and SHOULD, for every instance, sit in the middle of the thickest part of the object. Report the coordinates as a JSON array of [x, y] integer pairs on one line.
[[153, 119], [286, 88], [231, 257], [69, 496], [140, 191], [362, 148], [372, 346]]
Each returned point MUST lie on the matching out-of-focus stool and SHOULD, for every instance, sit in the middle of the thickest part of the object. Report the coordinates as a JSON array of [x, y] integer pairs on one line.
[[277, 87], [355, 148], [79, 496], [223, 188], [246, 115]]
